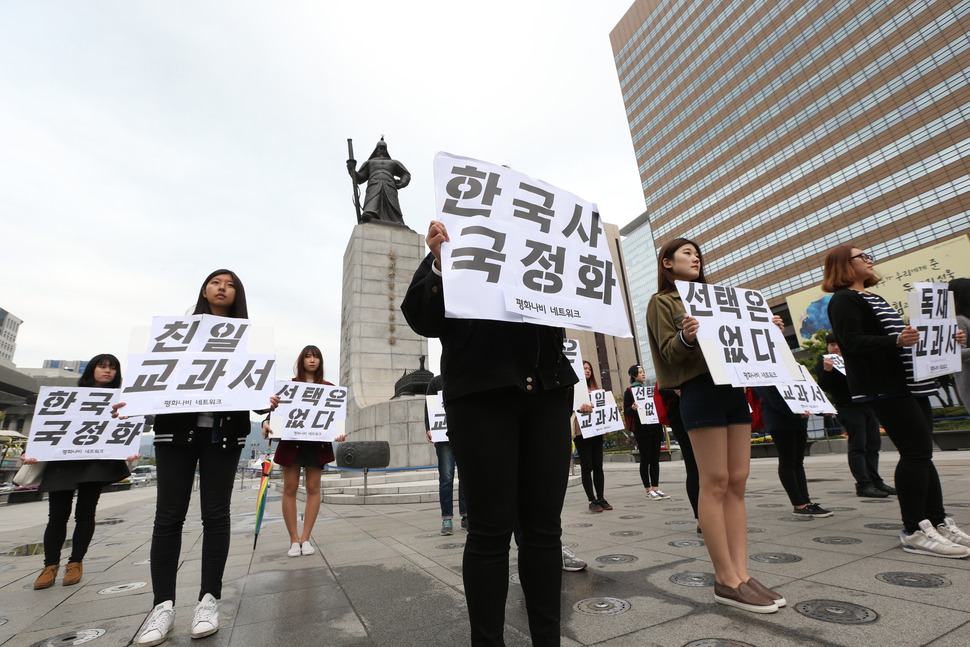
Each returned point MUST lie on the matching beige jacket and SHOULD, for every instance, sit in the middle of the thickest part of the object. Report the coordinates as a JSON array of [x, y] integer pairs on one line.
[[674, 360]]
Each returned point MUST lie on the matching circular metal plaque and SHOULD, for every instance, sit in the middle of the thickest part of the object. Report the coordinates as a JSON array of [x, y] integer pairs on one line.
[[636, 505], [625, 533], [142, 562], [580, 525], [717, 642], [838, 541], [914, 580], [885, 526], [876, 501], [776, 558], [844, 613], [616, 559], [958, 505], [110, 521], [122, 588], [70, 638], [570, 544], [632, 516], [3, 621], [451, 545], [693, 579], [686, 543], [680, 522], [753, 530], [428, 536], [675, 509], [602, 606], [840, 509], [752, 496], [771, 505], [515, 579], [841, 492], [795, 518]]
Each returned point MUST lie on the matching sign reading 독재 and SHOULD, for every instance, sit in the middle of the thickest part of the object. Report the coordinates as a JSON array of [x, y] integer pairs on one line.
[[523, 250], [646, 408], [932, 313], [604, 418], [437, 418], [740, 343], [72, 423], [838, 362], [197, 363], [570, 348], [309, 411], [805, 395]]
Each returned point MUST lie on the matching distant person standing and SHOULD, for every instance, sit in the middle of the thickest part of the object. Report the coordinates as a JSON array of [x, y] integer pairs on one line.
[[961, 299], [861, 427], [446, 471], [648, 436], [591, 457]]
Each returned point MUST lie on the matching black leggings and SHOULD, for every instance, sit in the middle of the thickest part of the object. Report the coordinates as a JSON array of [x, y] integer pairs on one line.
[[591, 465], [790, 444], [909, 423], [648, 442], [693, 482], [59, 511], [176, 474]]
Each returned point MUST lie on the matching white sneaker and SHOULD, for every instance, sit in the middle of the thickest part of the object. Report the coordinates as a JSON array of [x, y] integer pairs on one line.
[[653, 496], [951, 531], [307, 549], [294, 550], [206, 620], [159, 623], [927, 541], [663, 495], [570, 562]]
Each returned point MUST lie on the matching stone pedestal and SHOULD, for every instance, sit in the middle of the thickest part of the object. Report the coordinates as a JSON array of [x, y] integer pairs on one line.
[[376, 343]]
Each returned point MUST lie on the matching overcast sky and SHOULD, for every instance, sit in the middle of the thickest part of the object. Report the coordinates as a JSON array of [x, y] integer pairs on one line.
[[145, 143]]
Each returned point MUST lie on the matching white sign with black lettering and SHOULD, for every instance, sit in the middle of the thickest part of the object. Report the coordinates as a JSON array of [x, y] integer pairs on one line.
[[604, 418], [933, 314], [740, 343], [838, 362], [523, 250], [646, 408], [805, 395], [310, 412], [570, 348], [437, 419], [72, 423]]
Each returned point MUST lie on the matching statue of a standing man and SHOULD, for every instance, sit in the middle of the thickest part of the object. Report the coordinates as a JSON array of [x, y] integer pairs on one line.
[[384, 177]]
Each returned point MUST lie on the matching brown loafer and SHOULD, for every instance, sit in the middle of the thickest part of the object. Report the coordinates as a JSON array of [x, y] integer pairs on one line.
[[46, 578], [72, 574], [744, 597], [776, 597]]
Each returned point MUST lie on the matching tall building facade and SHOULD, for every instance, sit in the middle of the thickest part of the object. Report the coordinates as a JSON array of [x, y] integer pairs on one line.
[[9, 326], [771, 131], [641, 271]]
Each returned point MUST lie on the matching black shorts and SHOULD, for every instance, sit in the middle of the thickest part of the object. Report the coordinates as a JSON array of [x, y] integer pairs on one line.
[[705, 404]]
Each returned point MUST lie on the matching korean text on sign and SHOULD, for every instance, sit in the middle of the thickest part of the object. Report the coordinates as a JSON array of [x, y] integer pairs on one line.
[[604, 418], [805, 395], [931, 312], [570, 348], [198, 363], [523, 250], [436, 418], [646, 408], [72, 423], [308, 411]]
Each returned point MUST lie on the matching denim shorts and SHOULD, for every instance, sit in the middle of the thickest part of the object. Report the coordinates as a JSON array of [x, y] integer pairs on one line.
[[705, 404]]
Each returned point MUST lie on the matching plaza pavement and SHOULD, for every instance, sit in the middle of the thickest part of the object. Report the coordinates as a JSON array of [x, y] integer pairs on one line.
[[383, 576]]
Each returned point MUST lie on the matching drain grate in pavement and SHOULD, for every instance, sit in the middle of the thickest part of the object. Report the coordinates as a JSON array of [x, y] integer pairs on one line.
[[625, 533], [70, 638], [580, 525], [602, 606], [914, 580], [693, 579], [885, 526], [717, 642], [776, 558], [122, 588], [616, 559], [110, 521], [632, 516], [451, 546], [844, 613], [686, 543], [837, 541]]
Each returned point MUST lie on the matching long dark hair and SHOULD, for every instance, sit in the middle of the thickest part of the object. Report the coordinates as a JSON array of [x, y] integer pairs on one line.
[[300, 371], [591, 382], [961, 296], [237, 310], [87, 378], [666, 278]]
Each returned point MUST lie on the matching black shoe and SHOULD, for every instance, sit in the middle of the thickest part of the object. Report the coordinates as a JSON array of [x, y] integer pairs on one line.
[[605, 504], [888, 489], [870, 492], [594, 506], [813, 510]]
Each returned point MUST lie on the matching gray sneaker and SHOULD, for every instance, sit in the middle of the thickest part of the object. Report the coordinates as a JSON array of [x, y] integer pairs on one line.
[[927, 541], [951, 531], [570, 562], [447, 528]]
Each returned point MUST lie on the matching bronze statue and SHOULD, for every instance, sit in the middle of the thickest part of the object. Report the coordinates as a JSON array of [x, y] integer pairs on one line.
[[384, 177]]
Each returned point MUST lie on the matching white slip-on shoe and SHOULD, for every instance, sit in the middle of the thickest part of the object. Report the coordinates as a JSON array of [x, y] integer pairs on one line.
[[307, 549], [159, 623], [294, 550], [206, 620]]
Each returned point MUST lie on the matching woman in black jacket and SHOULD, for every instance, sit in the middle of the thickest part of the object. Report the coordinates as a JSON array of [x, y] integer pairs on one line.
[[879, 368]]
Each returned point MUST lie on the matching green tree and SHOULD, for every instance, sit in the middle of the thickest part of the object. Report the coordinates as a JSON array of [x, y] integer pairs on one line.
[[815, 348]]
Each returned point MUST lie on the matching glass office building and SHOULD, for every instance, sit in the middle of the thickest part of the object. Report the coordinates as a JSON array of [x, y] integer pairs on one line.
[[641, 272], [771, 131]]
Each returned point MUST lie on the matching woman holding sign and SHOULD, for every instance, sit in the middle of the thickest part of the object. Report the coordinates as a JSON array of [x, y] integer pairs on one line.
[[590, 452], [87, 477], [648, 436], [876, 345], [719, 424], [291, 455], [211, 442]]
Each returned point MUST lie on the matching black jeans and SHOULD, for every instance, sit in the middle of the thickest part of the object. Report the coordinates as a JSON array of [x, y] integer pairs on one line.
[[523, 475], [648, 439], [790, 444], [909, 423], [693, 482], [862, 428], [591, 465], [59, 511], [176, 474]]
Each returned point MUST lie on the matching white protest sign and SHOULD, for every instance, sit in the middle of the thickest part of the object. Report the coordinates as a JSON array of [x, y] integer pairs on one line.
[[838, 362], [740, 343], [72, 423], [570, 348], [437, 419], [646, 408], [805, 395], [309, 411], [604, 418], [523, 250], [197, 363], [932, 313]]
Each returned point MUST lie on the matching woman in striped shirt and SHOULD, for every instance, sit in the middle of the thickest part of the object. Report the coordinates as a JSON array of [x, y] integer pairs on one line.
[[876, 346]]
